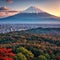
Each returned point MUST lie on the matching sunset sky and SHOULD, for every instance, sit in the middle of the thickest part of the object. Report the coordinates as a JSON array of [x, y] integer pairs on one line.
[[50, 6]]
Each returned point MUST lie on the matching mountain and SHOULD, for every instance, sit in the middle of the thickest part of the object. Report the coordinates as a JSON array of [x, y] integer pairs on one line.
[[32, 9], [32, 15], [5, 12]]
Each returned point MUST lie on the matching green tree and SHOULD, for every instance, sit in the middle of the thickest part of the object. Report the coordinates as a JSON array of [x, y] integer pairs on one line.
[[52, 56], [21, 56], [42, 57], [27, 53], [47, 56]]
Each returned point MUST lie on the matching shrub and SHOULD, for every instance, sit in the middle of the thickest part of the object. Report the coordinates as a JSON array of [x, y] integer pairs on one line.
[[21, 56]]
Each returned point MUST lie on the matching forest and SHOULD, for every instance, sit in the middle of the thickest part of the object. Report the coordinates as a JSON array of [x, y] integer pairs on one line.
[[30, 45]]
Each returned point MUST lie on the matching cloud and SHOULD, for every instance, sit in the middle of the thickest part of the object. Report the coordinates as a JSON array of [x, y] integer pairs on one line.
[[9, 1], [4, 8]]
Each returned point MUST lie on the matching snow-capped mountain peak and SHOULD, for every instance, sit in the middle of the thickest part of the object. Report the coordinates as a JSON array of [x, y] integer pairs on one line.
[[32, 9]]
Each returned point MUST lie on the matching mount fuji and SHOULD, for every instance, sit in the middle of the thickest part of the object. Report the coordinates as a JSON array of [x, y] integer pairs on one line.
[[32, 9], [31, 15]]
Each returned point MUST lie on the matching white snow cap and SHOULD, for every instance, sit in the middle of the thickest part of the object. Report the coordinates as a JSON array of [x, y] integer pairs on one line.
[[32, 9]]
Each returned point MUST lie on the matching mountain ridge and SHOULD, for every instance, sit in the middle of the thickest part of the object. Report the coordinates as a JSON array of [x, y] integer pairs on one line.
[[32, 17], [32, 9]]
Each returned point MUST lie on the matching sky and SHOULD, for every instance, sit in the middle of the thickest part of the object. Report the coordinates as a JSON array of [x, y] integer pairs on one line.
[[50, 6]]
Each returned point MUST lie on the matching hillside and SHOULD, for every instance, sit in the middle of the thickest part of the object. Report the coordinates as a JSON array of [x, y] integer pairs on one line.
[[32, 44]]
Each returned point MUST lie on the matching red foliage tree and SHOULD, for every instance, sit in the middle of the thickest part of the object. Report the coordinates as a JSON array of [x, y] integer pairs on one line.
[[5, 54]]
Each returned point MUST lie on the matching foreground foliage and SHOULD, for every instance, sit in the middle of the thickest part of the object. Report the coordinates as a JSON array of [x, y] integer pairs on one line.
[[29, 46]]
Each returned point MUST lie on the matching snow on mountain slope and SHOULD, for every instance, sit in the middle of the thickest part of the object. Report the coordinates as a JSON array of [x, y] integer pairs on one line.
[[31, 15], [32, 9]]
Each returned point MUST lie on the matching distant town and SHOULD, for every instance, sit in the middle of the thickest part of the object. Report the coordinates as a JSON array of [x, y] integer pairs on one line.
[[4, 28]]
